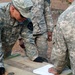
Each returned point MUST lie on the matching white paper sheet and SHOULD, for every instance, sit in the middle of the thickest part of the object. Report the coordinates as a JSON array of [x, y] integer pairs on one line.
[[43, 70]]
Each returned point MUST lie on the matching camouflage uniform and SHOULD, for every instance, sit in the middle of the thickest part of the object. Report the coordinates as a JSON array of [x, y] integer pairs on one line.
[[10, 30], [42, 23], [64, 40]]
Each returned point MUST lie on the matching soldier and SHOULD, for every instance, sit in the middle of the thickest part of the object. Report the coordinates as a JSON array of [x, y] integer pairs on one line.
[[42, 25], [14, 23], [64, 41]]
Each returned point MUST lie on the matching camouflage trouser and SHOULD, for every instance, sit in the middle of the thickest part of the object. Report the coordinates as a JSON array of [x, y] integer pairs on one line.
[[42, 45]]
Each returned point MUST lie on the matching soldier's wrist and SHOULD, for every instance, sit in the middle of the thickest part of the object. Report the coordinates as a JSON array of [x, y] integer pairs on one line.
[[58, 71]]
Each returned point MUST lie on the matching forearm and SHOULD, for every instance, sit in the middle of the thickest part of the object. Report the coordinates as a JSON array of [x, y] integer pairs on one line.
[[58, 59], [31, 50], [48, 16], [58, 55], [30, 47]]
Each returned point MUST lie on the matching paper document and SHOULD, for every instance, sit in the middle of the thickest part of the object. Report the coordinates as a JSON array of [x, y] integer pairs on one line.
[[43, 70]]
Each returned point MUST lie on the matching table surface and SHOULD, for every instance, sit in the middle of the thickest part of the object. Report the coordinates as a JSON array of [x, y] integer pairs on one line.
[[22, 65]]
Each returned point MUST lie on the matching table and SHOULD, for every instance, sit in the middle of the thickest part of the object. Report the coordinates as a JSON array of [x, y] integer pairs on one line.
[[23, 66]]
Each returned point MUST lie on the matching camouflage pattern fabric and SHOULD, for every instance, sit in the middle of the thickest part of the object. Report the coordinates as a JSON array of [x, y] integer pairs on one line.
[[42, 23], [42, 18], [42, 45], [10, 32], [64, 40]]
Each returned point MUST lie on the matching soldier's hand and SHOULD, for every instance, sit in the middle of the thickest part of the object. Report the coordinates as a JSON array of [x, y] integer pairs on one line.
[[49, 36], [52, 70], [40, 59], [2, 70], [21, 43]]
